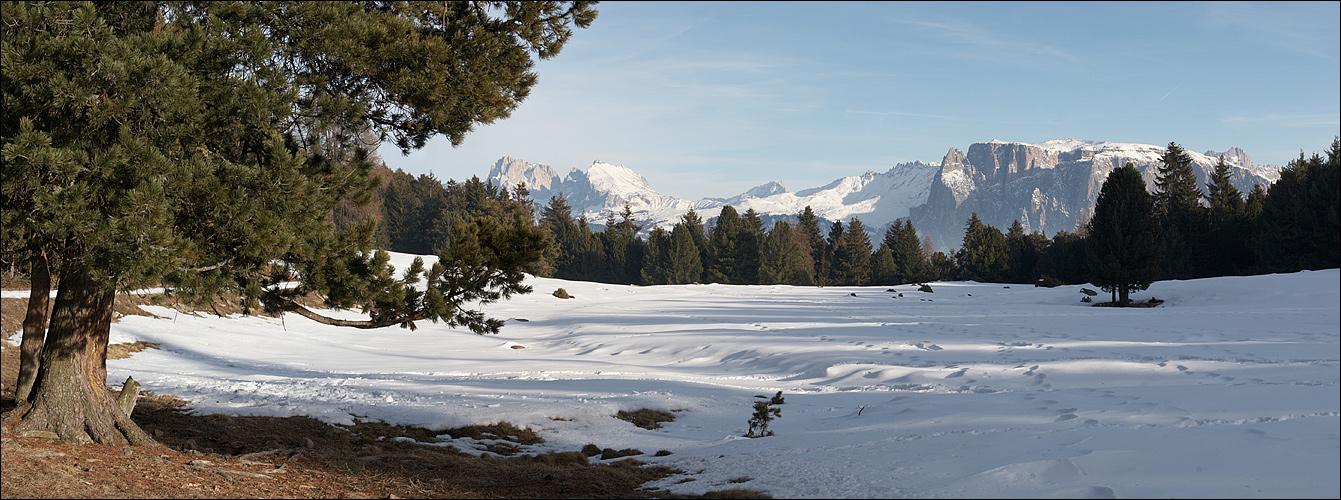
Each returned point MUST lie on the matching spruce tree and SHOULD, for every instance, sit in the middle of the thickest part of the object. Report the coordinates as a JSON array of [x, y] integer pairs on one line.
[[557, 221], [723, 241], [1228, 225], [685, 265], [1122, 245], [883, 269], [202, 147], [694, 224], [1298, 226], [1182, 218], [857, 265], [656, 260], [783, 261], [835, 256], [808, 231], [983, 255]]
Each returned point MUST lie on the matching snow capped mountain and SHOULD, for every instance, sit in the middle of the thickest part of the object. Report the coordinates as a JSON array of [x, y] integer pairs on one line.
[[1047, 186]]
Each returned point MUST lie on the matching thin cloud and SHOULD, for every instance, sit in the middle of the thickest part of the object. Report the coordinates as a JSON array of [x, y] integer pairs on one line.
[[899, 113]]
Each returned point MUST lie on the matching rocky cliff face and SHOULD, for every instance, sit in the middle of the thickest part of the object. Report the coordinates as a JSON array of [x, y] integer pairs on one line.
[[1048, 187]]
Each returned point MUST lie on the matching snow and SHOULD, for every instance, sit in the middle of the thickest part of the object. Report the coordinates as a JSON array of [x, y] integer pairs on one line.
[[1229, 389]]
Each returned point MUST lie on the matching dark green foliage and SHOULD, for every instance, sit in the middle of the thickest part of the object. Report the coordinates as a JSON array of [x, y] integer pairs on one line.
[[694, 224], [734, 244], [203, 146], [623, 249], [883, 269], [852, 256], [1182, 218], [1023, 253], [777, 399], [763, 414], [562, 236], [983, 256], [812, 239], [783, 260], [1064, 259], [910, 264], [656, 261], [1228, 226], [1298, 227], [1122, 248], [684, 265]]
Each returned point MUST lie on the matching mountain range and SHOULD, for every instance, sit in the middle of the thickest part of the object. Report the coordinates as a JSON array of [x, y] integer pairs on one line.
[[1047, 186]]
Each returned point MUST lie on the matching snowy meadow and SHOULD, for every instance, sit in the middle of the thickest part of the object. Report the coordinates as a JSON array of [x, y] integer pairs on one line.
[[1228, 389]]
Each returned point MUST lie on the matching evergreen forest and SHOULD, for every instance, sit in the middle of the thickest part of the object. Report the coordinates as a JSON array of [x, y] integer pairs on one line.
[[1195, 232]]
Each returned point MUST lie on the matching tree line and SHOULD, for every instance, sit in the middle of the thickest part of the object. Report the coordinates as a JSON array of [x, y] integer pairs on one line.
[[1189, 233]]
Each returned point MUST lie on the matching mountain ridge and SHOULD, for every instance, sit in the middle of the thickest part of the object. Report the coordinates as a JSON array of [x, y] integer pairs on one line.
[[1047, 186]]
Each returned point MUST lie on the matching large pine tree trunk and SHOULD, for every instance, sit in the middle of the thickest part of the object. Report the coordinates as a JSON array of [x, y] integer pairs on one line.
[[70, 396], [34, 325]]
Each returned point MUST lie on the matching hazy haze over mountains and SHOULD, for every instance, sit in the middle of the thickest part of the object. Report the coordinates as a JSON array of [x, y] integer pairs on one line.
[[1046, 186]]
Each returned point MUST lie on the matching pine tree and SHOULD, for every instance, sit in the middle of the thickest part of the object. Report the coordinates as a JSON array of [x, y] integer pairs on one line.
[[202, 147], [883, 269], [557, 221], [908, 252], [657, 260], [694, 224], [835, 256], [812, 238], [1122, 250], [983, 256], [1298, 227], [1182, 218], [685, 266], [723, 241], [783, 261], [1228, 225], [857, 265]]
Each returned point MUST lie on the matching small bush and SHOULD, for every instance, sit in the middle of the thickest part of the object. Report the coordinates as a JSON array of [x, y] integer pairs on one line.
[[646, 418], [763, 414], [1046, 281], [563, 294], [610, 453], [662, 453]]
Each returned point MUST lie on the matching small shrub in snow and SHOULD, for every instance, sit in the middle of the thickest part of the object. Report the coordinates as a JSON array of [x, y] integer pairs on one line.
[[563, 294], [764, 413]]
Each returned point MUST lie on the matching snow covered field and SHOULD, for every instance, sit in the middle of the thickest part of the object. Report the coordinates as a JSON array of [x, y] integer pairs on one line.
[[1230, 389]]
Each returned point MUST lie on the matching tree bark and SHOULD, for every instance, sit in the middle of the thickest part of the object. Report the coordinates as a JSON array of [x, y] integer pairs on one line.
[[70, 395], [34, 325]]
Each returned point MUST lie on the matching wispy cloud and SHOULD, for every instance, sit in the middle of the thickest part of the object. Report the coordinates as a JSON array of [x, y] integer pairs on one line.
[[1286, 120], [899, 113], [988, 45], [1306, 28]]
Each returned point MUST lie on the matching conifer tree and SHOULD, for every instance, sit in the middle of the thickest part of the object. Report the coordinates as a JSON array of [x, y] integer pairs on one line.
[[812, 239], [907, 251], [656, 260], [557, 221], [1228, 225], [835, 256], [782, 261], [1182, 219], [202, 146], [723, 241], [694, 224], [883, 269], [983, 255], [684, 265], [1298, 227], [1122, 250], [857, 244]]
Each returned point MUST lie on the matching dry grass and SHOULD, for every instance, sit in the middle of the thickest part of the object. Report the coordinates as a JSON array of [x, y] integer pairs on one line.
[[646, 418], [299, 457]]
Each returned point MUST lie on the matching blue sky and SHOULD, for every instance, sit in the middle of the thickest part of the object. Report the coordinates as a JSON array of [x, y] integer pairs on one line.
[[711, 99]]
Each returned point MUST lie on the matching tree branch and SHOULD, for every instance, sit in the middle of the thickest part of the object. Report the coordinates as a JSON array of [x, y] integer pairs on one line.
[[285, 304]]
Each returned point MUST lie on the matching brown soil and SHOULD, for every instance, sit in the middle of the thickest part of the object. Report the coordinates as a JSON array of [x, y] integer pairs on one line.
[[217, 456]]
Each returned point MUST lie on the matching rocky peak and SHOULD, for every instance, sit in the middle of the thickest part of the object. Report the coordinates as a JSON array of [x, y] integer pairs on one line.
[[1002, 161], [509, 171], [1233, 156]]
